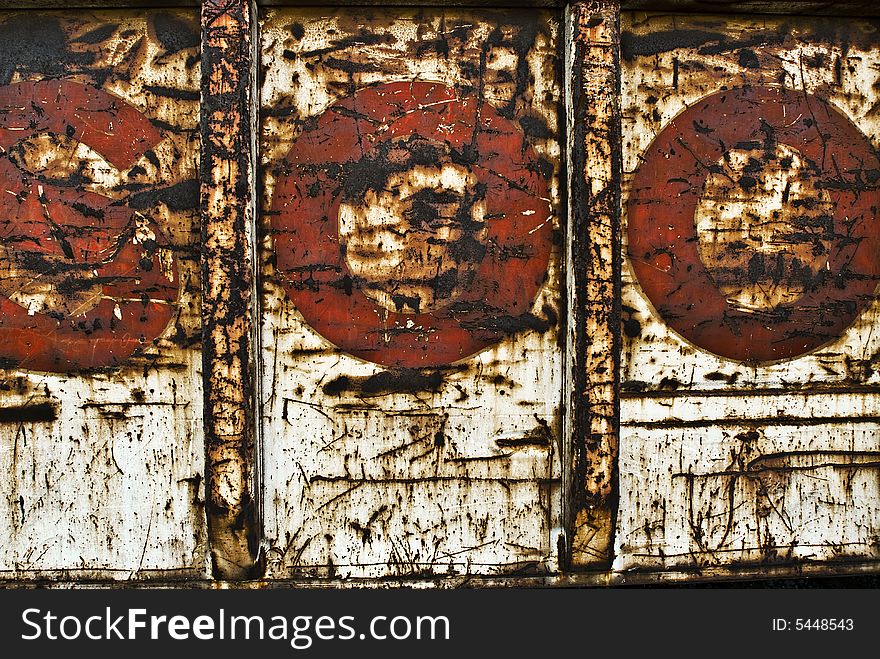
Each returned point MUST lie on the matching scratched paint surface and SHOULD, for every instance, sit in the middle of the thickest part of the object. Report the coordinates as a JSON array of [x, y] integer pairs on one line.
[[410, 292], [749, 411], [100, 391]]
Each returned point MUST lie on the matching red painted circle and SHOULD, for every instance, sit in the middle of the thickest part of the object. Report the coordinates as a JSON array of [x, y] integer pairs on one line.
[[663, 243], [329, 162], [81, 239]]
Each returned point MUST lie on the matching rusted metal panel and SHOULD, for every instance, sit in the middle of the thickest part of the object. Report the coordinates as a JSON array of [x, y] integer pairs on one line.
[[411, 292], [593, 278], [227, 224], [100, 420], [749, 413]]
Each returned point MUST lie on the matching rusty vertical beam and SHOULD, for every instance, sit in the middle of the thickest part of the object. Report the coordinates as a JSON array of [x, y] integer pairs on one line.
[[593, 108], [227, 220]]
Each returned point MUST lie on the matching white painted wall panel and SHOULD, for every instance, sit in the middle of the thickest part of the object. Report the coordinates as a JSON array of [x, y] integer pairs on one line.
[[722, 461], [372, 471]]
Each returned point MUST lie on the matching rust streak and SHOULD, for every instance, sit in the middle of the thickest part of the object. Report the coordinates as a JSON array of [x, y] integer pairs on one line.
[[594, 277], [226, 267]]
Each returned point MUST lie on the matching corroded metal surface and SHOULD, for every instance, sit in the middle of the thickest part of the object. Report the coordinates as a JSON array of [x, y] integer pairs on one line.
[[411, 294], [418, 313], [100, 419], [593, 279], [227, 272], [749, 414]]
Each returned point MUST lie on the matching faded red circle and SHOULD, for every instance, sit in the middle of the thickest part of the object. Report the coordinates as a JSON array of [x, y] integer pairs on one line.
[[336, 148], [663, 243], [62, 232]]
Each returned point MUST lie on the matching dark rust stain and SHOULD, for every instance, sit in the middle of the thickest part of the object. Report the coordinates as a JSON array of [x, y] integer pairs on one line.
[[36, 47], [706, 42], [786, 461], [395, 381], [174, 33], [180, 196], [540, 436], [97, 35], [780, 420], [32, 413]]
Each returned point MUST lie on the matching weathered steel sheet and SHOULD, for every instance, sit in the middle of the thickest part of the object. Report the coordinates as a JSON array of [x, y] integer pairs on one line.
[[411, 295], [100, 389], [749, 412]]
